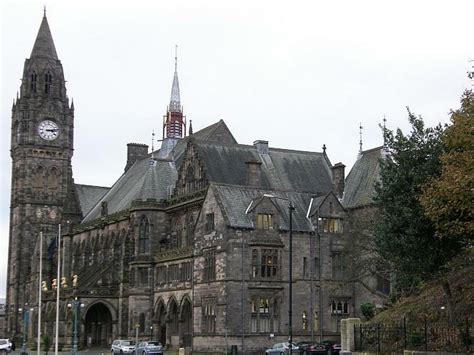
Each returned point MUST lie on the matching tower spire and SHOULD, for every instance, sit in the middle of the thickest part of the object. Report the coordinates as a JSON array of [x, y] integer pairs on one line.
[[360, 137], [384, 131], [174, 123], [175, 100], [44, 44]]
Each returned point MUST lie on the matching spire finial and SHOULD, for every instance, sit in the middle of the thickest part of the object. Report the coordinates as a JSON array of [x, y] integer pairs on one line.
[[152, 160], [175, 57], [190, 127], [324, 148], [360, 137], [384, 131], [44, 11]]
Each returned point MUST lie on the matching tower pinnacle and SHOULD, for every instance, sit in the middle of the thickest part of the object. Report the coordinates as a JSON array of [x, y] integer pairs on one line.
[[44, 44]]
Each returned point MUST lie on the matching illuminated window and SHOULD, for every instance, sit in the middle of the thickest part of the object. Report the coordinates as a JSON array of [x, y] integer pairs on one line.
[[332, 225], [264, 315], [264, 221]]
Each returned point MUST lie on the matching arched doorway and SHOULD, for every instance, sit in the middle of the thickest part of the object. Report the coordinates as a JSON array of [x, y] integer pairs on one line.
[[173, 335], [98, 326], [160, 322], [185, 323]]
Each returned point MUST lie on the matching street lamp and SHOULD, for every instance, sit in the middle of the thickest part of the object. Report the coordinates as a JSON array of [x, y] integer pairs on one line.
[[75, 305], [291, 208]]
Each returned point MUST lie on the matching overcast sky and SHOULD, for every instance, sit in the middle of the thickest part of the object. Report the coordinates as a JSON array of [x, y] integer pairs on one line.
[[299, 74]]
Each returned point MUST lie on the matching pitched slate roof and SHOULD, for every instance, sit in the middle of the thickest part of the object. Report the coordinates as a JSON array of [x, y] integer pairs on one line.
[[141, 182], [144, 180], [281, 169], [360, 183], [234, 201], [89, 195], [44, 44]]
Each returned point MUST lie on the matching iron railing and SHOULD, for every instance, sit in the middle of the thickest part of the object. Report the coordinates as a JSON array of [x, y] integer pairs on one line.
[[422, 336]]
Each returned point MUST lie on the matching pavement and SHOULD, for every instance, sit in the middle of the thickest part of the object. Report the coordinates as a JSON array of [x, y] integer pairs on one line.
[[93, 351]]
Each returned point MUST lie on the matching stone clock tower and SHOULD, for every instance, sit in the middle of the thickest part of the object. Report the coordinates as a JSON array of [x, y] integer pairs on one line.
[[42, 193]]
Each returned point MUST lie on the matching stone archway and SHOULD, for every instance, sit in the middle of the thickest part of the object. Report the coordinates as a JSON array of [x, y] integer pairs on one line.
[[173, 320], [185, 323], [98, 326], [160, 323]]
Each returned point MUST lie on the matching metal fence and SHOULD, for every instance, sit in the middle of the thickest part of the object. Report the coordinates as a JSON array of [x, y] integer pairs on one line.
[[422, 336]]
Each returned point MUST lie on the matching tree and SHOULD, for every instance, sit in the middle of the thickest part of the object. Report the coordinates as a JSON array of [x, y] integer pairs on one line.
[[404, 236], [448, 199]]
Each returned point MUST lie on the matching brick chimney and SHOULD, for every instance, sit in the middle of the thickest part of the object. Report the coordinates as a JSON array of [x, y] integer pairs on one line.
[[135, 151], [253, 173], [338, 179]]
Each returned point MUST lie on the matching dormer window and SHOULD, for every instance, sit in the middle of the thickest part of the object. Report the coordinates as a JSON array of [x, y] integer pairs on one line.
[[48, 78], [33, 80], [264, 221]]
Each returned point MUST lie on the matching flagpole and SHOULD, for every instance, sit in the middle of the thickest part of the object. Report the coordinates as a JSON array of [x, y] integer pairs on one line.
[[40, 282], [58, 286]]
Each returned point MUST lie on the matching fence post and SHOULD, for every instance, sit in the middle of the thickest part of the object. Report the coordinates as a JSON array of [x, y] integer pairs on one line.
[[404, 333], [426, 334]]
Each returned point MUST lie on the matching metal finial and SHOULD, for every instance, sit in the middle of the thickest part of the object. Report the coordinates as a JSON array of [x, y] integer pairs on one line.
[[384, 131], [152, 141], [44, 10], [190, 127], [324, 148], [176, 58], [360, 136]]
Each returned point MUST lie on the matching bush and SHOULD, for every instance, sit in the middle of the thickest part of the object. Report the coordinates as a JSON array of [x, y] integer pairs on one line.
[[368, 310]]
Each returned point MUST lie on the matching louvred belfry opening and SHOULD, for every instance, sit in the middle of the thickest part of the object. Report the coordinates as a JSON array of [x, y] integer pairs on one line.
[[174, 122]]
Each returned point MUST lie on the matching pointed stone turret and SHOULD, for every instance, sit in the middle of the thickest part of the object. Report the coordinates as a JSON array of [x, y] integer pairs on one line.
[[44, 44], [174, 123]]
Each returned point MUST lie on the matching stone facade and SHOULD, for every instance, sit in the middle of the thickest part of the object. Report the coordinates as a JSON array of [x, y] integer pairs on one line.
[[189, 247]]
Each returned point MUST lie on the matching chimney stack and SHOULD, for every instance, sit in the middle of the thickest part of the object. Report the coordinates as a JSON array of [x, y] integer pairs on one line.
[[338, 179], [135, 152], [262, 146], [253, 173]]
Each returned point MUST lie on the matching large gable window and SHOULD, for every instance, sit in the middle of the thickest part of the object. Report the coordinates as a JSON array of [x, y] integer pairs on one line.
[[144, 236], [264, 221], [265, 263], [332, 225]]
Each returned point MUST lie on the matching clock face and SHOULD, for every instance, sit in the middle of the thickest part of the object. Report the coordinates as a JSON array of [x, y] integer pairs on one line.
[[48, 130]]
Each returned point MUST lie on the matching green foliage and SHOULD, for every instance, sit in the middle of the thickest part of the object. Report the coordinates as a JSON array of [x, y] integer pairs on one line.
[[46, 342], [368, 310], [448, 200], [404, 236]]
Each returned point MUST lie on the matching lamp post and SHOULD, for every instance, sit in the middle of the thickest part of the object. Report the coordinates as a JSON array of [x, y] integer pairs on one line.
[[291, 208], [75, 305]]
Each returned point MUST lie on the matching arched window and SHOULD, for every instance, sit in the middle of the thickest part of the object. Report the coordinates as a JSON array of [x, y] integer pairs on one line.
[[144, 236], [33, 80], [48, 78], [190, 179], [304, 319], [141, 322]]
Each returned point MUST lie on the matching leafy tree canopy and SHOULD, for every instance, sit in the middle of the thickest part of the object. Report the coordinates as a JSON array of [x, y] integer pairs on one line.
[[404, 236], [448, 199]]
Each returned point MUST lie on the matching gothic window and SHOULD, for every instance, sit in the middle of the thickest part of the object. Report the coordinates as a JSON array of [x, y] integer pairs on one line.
[[339, 307], [186, 271], [209, 265], [173, 273], [141, 322], [316, 267], [161, 272], [189, 229], [265, 263], [39, 179], [264, 315], [304, 320], [48, 78], [53, 180], [264, 221], [33, 81], [143, 276], [190, 179], [144, 236], [332, 225], [339, 267], [209, 222], [209, 315]]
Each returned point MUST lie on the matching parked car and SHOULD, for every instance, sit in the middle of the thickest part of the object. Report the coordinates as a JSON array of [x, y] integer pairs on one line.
[[311, 348], [149, 348], [332, 347], [121, 346], [283, 348], [5, 345]]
